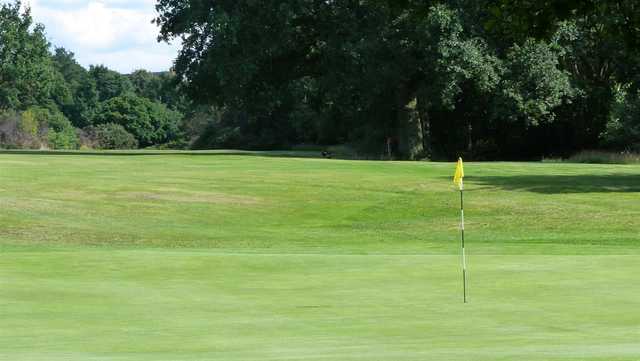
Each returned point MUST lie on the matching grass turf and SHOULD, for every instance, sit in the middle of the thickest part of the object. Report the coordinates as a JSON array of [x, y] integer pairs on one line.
[[228, 257]]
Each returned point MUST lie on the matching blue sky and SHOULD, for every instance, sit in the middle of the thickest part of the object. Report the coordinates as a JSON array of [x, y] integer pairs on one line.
[[116, 33]]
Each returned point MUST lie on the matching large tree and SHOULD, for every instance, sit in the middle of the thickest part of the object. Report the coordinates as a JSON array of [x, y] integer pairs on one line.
[[82, 97], [150, 122], [600, 41], [386, 74], [27, 74]]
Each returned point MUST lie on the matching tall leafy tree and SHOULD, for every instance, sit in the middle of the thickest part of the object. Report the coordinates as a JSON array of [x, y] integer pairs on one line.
[[27, 74], [150, 122], [377, 66], [82, 98], [163, 87], [109, 83]]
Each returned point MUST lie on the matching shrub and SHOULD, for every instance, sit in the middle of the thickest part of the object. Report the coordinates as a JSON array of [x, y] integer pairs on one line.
[[111, 136], [67, 138], [61, 133], [50, 126], [28, 122], [150, 122]]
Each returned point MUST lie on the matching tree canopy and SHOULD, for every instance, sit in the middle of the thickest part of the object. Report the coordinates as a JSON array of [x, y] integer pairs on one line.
[[406, 79], [48, 100], [430, 78]]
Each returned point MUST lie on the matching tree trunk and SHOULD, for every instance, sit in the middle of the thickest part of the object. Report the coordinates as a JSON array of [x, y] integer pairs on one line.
[[470, 138], [425, 124], [410, 132]]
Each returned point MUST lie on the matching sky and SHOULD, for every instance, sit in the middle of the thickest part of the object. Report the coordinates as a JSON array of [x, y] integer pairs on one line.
[[115, 33]]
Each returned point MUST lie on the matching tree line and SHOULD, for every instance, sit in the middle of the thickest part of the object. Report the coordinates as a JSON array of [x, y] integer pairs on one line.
[[48, 100], [409, 79], [488, 79]]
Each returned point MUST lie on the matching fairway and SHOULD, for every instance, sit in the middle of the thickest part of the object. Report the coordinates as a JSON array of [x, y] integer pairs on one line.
[[246, 257]]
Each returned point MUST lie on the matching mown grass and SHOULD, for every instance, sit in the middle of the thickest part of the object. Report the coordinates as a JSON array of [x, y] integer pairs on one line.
[[234, 257]]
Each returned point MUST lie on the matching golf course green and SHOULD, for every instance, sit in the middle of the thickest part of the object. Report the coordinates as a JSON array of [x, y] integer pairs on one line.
[[205, 256]]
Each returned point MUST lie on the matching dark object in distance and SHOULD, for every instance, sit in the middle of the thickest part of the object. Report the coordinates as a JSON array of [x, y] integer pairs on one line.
[[326, 154]]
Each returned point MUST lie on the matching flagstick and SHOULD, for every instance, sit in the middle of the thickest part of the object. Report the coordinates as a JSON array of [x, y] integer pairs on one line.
[[464, 261]]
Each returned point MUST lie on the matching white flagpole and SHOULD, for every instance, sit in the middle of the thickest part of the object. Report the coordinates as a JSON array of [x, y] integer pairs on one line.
[[464, 260]]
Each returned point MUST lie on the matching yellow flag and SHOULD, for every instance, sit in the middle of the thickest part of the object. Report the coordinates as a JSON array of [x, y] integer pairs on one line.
[[457, 178]]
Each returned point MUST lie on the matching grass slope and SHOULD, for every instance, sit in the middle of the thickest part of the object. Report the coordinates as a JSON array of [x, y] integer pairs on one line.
[[228, 257]]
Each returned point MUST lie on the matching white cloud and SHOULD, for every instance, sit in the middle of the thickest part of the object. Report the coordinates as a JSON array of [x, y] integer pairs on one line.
[[116, 33]]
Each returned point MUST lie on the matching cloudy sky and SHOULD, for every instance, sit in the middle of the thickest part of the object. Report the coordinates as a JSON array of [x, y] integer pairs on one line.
[[116, 33]]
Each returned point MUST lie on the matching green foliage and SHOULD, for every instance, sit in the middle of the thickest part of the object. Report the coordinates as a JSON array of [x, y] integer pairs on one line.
[[483, 78], [60, 133], [161, 87], [64, 139], [458, 57], [146, 84], [405, 79], [82, 98], [220, 128], [30, 121], [37, 127], [623, 128], [112, 136], [437, 60], [109, 84], [27, 75], [150, 122], [534, 84], [53, 97]]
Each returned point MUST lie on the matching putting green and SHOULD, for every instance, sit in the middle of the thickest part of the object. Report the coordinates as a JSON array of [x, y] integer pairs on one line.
[[178, 257]]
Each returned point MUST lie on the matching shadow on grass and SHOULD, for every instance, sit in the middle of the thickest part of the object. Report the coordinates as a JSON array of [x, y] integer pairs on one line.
[[554, 184]]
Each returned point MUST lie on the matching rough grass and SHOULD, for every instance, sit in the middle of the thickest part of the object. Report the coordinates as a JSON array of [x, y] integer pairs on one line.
[[603, 157], [228, 257]]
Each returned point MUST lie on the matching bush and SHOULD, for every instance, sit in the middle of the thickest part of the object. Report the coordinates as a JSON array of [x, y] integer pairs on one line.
[[150, 122], [60, 132], [111, 136], [37, 127], [28, 122], [64, 139]]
